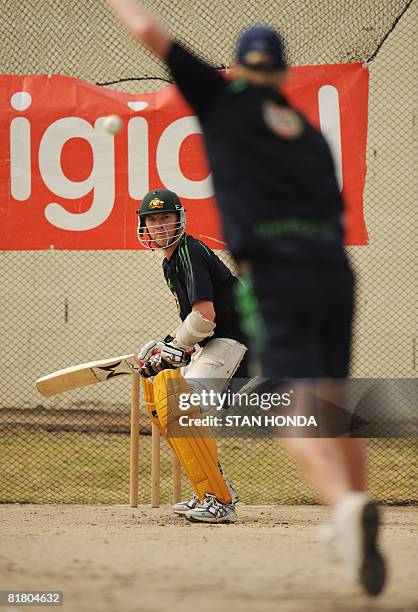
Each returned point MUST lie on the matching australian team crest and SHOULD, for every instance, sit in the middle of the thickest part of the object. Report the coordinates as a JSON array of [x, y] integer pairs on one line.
[[284, 121], [156, 203]]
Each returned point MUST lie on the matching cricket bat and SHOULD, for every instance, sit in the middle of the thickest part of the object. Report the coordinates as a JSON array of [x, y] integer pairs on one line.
[[86, 374]]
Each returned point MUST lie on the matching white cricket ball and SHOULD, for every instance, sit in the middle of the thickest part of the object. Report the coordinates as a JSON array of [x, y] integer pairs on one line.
[[113, 124]]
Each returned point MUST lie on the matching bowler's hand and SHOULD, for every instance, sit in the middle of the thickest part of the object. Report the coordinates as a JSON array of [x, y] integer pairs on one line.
[[143, 25]]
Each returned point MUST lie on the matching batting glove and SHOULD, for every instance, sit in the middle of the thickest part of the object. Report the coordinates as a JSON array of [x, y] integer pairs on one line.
[[153, 366], [174, 355], [146, 359], [149, 349]]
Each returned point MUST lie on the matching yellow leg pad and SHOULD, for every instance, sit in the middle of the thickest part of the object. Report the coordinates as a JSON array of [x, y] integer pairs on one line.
[[197, 453], [148, 389]]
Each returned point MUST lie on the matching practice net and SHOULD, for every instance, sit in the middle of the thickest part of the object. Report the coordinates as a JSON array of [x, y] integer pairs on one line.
[[68, 307]]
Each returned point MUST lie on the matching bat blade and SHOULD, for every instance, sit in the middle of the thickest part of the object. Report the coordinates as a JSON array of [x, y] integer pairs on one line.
[[86, 374]]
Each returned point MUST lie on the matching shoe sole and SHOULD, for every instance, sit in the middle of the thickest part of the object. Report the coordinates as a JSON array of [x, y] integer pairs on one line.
[[182, 512], [372, 569], [210, 521]]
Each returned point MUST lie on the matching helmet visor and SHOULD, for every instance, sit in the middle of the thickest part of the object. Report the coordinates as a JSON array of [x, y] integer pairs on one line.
[[160, 235]]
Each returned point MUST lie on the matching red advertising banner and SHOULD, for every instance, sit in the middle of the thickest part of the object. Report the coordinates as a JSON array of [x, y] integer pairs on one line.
[[68, 184]]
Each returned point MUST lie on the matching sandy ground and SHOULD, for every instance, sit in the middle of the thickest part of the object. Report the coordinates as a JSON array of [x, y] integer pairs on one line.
[[111, 558]]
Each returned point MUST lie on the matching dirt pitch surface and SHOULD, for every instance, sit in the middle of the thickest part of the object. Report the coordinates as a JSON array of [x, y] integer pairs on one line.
[[122, 559]]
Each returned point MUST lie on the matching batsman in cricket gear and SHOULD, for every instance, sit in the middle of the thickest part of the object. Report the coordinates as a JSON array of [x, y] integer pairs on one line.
[[204, 352], [281, 208]]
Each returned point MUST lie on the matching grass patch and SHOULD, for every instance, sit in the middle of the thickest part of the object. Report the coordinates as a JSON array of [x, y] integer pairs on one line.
[[73, 467]]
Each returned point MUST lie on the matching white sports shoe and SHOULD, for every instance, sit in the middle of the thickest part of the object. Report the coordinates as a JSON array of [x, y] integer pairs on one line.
[[233, 493], [185, 506], [212, 511], [352, 537]]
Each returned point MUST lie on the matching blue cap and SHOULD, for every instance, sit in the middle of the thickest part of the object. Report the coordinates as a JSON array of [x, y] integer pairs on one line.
[[261, 48]]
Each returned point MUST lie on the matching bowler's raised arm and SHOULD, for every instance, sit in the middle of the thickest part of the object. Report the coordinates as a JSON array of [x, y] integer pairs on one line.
[[144, 26]]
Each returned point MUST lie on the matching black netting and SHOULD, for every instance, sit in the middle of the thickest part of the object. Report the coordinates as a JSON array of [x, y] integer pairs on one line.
[[82, 39], [63, 308]]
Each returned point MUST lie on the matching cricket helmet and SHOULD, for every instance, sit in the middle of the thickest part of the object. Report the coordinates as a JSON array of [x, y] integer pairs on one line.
[[160, 201]]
